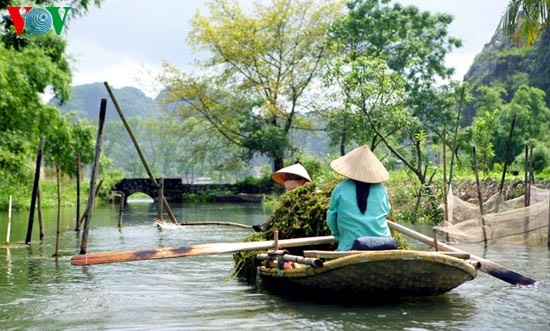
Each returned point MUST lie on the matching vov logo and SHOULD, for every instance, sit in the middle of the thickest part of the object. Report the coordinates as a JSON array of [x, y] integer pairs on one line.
[[38, 21]]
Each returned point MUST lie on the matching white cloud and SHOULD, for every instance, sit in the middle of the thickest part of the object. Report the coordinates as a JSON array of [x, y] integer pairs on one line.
[[124, 41], [94, 63]]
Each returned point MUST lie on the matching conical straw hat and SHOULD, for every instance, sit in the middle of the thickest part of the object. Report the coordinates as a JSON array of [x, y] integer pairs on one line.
[[362, 165], [295, 169]]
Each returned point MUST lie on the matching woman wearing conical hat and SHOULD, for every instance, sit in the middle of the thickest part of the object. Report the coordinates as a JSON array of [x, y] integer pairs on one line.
[[292, 176], [359, 204]]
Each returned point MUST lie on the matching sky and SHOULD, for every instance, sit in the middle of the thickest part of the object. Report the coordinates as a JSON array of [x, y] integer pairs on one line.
[[125, 42]]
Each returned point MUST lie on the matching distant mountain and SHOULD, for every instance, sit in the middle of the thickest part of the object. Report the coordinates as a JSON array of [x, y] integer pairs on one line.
[[501, 61], [85, 100]]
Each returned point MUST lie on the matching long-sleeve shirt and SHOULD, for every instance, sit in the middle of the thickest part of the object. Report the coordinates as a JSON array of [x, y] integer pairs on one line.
[[345, 220]]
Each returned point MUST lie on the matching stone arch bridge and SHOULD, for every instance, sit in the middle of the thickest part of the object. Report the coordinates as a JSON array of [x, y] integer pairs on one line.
[[174, 188]]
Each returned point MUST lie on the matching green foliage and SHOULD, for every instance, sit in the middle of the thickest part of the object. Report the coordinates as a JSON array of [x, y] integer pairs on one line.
[[524, 20], [544, 175], [491, 126], [31, 65], [388, 65], [109, 176], [264, 62], [251, 184]]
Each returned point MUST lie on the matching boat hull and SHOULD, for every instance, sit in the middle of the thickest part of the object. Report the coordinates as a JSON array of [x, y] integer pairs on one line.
[[395, 273]]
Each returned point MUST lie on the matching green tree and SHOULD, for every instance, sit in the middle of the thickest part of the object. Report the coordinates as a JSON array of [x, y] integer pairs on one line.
[[491, 126], [264, 62], [390, 66], [532, 122], [481, 132], [29, 66]]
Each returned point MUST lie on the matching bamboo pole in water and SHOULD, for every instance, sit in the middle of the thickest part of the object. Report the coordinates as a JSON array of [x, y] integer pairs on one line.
[[34, 189], [77, 226], [58, 229], [455, 136], [527, 195], [445, 203], [95, 171], [531, 172], [508, 151], [479, 198], [138, 149], [83, 217], [548, 236], [160, 198], [526, 179], [121, 210], [40, 216], [9, 222]]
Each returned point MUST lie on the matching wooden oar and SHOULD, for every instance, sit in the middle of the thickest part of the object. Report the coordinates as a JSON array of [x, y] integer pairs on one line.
[[193, 250], [488, 267]]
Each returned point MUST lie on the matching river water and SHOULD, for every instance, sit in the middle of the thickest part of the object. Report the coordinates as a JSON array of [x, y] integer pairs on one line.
[[38, 292]]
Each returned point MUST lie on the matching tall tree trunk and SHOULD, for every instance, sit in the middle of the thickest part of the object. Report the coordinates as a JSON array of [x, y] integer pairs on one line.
[[278, 163]]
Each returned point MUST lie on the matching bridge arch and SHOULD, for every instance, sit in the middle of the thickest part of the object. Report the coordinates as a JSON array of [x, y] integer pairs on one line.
[[129, 186], [174, 188]]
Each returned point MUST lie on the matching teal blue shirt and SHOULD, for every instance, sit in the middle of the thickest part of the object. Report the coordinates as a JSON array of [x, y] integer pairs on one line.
[[345, 220]]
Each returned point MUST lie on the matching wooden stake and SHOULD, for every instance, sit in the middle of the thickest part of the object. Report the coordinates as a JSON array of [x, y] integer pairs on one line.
[[548, 236], [527, 195], [95, 171], [77, 226], [58, 230], [508, 151], [479, 198], [34, 189], [531, 170], [445, 189], [9, 222], [121, 210], [141, 156], [83, 217], [526, 179], [160, 199], [40, 216], [453, 152]]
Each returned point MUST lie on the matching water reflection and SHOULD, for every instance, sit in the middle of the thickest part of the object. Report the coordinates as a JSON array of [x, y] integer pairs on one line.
[[197, 293]]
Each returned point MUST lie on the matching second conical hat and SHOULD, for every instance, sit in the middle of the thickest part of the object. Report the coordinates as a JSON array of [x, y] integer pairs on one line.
[[295, 169], [362, 165]]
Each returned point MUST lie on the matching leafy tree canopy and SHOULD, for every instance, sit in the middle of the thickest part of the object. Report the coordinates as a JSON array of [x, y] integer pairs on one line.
[[264, 62]]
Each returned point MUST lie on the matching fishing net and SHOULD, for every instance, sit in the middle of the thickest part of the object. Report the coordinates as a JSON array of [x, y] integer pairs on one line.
[[503, 221]]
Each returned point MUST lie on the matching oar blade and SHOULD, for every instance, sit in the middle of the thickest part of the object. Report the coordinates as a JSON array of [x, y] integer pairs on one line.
[[488, 267], [507, 275]]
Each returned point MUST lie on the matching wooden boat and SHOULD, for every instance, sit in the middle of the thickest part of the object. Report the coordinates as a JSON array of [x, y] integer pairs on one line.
[[391, 273]]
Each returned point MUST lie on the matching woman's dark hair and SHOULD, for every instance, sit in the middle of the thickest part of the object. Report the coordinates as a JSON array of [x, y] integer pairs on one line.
[[362, 191]]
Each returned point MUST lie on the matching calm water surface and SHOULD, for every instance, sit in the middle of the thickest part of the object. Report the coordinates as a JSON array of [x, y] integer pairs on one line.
[[38, 292]]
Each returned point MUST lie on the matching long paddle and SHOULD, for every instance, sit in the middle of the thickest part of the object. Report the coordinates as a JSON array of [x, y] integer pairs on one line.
[[193, 250], [488, 267]]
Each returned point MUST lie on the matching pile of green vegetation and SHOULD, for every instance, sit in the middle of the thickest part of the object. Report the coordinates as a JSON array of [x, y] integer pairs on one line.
[[300, 213]]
